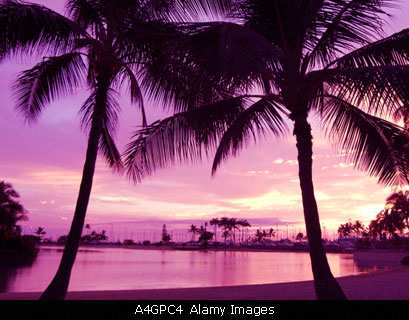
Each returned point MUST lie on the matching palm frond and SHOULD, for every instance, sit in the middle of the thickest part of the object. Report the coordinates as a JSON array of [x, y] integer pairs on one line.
[[283, 22], [185, 136], [264, 116], [110, 151], [198, 10], [374, 145], [392, 50], [135, 92], [346, 24], [126, 75], [49, 79], [379, 90], [27, 28], [103, 105], [203, 66], [105, 102], [85, 13]]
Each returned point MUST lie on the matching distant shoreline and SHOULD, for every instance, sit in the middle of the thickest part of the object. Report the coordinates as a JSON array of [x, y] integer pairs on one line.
[[173, 248]]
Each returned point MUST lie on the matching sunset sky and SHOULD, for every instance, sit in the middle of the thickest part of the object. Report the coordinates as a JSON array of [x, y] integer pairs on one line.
[[44, 162]]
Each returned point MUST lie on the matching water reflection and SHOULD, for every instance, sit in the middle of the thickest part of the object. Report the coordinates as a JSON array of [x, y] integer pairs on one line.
[[116, 268]]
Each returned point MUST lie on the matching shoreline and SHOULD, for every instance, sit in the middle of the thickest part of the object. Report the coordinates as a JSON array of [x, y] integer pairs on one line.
[[171, 248], [390, 284], [381, 285]]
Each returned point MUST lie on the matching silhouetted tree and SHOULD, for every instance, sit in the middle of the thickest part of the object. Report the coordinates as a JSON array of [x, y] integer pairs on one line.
[[345, 230], [348, 229], [323, 57], [94, 236], [107, 45], [387, 223], [11, 211], [229, 226], [204, 236], [261, 234], [214, 222], [398, 202], [40, 232], [194, 230], [165, 235]]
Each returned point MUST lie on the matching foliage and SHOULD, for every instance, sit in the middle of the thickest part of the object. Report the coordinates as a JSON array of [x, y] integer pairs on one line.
[[261, 234], [324, 57], [299, 236], [11, 211], [94, 236], [165, 235], [62, 239], [194, 230], [204, 235], [229, 226], [389, 222], [348, 229], [40, 232]]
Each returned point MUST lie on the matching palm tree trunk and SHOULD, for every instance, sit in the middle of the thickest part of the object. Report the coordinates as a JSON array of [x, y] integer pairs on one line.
[[58, 287], [326, 287]]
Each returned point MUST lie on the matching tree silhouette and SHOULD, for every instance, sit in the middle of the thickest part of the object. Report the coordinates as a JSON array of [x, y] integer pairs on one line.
[[11, 211], [398, 202], [229, 226], [40, 232], [346, 230], [165, 235], [204, 235], [194, 230], [324, 57], [108, 46], [299, 236]]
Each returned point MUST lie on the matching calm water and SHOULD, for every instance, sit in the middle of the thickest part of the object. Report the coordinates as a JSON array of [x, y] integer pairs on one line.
[[115, 268]]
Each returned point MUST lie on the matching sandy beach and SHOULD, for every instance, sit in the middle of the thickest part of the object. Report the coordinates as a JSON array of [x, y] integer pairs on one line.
[[392, 284]]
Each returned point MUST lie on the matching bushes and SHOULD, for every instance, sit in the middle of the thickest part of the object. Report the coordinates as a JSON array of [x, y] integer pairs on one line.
[[405, 261], [20, 250]]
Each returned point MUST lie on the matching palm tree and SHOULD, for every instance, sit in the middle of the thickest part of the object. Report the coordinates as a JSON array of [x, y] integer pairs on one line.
[[40, 232], [324, 57], [204, 236], [236, 224], [345, 230], [194, 230], [105, 44], [399, 202], [215, 223]]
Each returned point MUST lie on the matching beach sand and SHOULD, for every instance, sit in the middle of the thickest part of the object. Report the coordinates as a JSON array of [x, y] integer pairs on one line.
[[383, 285]]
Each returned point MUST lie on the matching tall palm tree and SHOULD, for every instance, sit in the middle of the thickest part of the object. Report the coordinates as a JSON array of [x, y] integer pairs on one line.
[[106, 45], [327, 57], [214, 222], [236, 224], [193, 230]]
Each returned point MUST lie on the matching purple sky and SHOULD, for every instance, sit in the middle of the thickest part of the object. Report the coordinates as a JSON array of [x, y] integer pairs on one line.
[[44, 161]]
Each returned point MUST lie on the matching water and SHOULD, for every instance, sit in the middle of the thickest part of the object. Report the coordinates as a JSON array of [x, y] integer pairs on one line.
[[117, 268]]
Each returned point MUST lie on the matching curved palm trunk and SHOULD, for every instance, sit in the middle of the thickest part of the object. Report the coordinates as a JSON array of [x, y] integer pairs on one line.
[[58, 287], [326, 287]]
